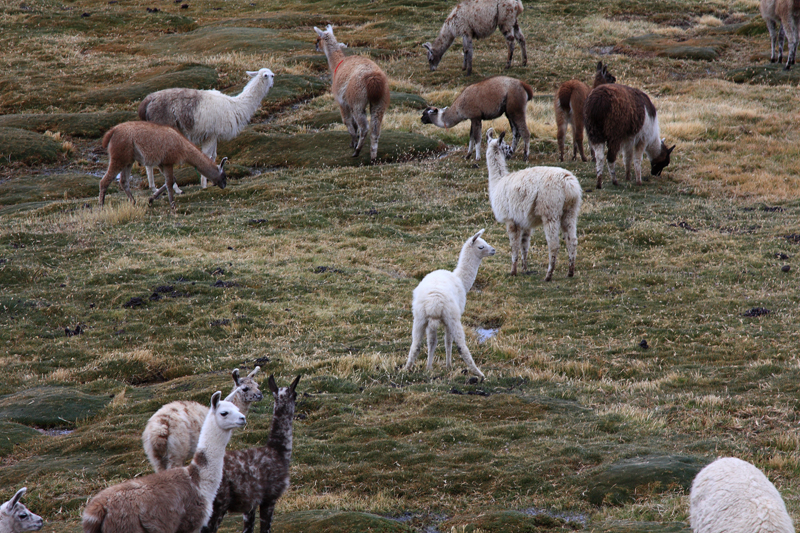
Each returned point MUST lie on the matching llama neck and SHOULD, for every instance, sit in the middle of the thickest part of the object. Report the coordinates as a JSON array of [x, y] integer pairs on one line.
[[210, 456], [252, 94], [496, 164], [334, 55], [280, 432], [443, 40], [203, 163], [449, 117], [467, 269], [652, 136]]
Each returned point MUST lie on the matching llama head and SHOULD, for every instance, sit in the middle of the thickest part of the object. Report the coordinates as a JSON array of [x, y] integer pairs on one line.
[[285, 397], [433, 115], [227, 416], [222, 180], [17, 517], [264, 75], [433, 57], [497, 146], [658, 164], [602, 75], [326, 41], [247, 387], [478, 246]]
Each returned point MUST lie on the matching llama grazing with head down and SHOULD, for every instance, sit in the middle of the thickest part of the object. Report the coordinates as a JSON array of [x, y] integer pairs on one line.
[[257, 477], [733, 496], [486, 100], [16, 518], [172, 433], [206, 117], [568, 106], [440, 298], [547, 196], [783, 20], [478, 19], [356, 82], [624, 118], [174, 500], [157, 146]]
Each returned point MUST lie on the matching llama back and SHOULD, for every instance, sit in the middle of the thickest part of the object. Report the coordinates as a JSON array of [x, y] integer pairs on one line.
[[171, 433], [616, 111], [437, 292], [568, 91]]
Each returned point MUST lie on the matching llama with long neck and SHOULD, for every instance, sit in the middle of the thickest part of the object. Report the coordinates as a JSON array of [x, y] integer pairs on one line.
[[257, 477]]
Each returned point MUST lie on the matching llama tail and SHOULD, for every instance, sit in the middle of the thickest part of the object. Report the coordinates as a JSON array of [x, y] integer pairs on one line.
[[528, 89], [156, 445], [573, 193], [564, 96], [143, 108], [107, 137], [377, 88], [93, 517]]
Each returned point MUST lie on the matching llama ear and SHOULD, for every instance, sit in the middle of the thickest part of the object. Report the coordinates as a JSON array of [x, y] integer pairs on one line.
[[252, 73], [489, 134], [477, 235], [294, 383], [669, 150], [329, 29], [600, 66], [215, 400], [319, 31], [272, 386], [342, 45], [235, 375], [502, 134], [13, 501], [427, 46], [254, 372], [222, 163]]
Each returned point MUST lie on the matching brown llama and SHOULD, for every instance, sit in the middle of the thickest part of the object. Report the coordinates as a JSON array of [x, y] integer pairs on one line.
[[153, 145], [487, 100], [568, 105], [624, 118], [257, 477], [177, 500], [783, 20], [356, 82]]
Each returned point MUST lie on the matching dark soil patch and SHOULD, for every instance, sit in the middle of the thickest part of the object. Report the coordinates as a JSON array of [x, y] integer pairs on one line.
[[793, 237], [19, 145], [757, 311], [136, 301], [219, 323]]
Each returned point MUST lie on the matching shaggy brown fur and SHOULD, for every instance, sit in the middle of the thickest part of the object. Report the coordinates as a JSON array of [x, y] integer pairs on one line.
[[155, 146], [783, 20], [356, 83], [624, 118], [487, 100], [568, 105]]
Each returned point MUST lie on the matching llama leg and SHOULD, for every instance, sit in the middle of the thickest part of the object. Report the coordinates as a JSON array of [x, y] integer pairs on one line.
[[375, 120], [577, 136], [112, 171], [791, 35], [551, 228], [774, 32], [525, 246], [448, 347], [361, 121], [417, 332], [611, 158], [467, 40], [266, 511], [521, 40], [210, 149], [514, 238], [350, 124], [627, 153], [454, 324], [509, 35], [514, 133], [526, 138], [151, 178], [474, 139], [569, 228], [781, 38], [217, 514], [599, 162], [637, 163], [561, 134], [432, 341], [249, 521], [170, 181], [126, 186]]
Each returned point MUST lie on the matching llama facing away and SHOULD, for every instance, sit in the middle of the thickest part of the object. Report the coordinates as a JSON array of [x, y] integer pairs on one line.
[[624, 118], [548, 196], [175, 500], [172, 433], [356, 82], [440, 298], [478, 19], [156, 146], [486, 100], [783, 20], [206, 117], [16, 518], [568, 106], [257, 477], [733, 496]]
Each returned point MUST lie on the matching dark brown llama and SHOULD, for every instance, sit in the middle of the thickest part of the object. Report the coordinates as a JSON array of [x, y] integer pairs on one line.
[[257, 477], [568, 105]]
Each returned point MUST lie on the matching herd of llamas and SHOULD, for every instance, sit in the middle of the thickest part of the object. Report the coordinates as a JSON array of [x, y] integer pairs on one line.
[[727, 496]]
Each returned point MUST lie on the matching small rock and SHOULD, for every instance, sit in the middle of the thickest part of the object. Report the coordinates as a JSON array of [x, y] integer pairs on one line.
[[155, 297], [184, 6], [782, 256], [86, 15], [786, 268], [472, 381], [644, 344], [136, 301]]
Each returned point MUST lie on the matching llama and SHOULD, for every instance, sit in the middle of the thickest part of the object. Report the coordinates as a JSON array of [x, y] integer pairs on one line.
[[206, 117], [355, 83], [733, 496], [257, 477], [478, 19], [549, 196], [175, 500], [568, 106], [157, 146], [486, 100], [783, 20], [171, 434], [440, 298], [16, 518], [624, 118]]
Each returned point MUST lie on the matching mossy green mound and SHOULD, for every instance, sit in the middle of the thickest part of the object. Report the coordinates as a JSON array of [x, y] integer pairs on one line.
[[26, 188], [50, 406], [516, 522], [617, 484], [189, 75], [322, 120], [223, 39], [90, 125], [413, 101], [27, 147], [336, 522], [325, 148], [12, 434], [629, 526], [289, 89], [770, 74], [700, 48]]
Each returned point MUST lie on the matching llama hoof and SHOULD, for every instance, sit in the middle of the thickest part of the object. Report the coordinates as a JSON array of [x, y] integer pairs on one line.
[[571, 272], [614, 182], [150, 201], [548, 277]]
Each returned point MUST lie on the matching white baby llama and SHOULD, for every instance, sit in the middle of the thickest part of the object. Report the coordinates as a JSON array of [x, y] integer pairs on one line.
[[171, 434], [16, 518], [733, 496], [549, 196], [440, 298], [174, 500], [205, 117]]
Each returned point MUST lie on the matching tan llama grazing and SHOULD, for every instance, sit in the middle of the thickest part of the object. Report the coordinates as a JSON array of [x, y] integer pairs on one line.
[[177, 500], [356, 82], [623, 118], [568, 105], [478, 19], [16, 518], [171, 434], [487, 100], [783, 19], [153, 145]]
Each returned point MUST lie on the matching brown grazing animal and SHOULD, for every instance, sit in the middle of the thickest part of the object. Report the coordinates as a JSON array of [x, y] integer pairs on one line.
[[624, 118], [478, 19], [177, 500], [257, 477], [783, 20], [153, 145], [487, 100], [356, 82], [568, 105]]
